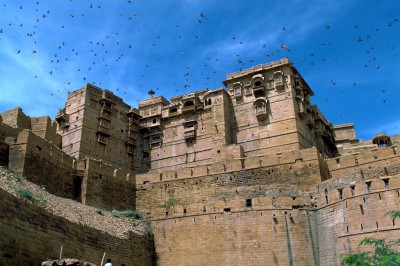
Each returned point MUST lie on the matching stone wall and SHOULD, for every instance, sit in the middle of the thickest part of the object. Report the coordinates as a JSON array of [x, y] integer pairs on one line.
[[16, 118], [374, 160], [349, 213], [106, 187], [30, 235], [44, 164], [261, 236], [45, 128], [291, 174]]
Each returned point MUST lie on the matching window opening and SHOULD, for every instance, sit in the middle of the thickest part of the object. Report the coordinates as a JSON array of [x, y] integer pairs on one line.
[[340, 193], [227, 210], [249, 203]]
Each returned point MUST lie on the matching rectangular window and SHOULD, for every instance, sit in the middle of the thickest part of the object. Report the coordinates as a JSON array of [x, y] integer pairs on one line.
[[249, 203]]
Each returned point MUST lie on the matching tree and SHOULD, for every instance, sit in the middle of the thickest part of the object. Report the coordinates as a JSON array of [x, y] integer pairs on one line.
[[382, 251]]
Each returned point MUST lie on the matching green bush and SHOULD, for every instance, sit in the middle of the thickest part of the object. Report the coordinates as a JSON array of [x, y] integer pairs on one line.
[[382, 252], [18, 177], [32, 198], [171, 202], [126, 214], [26, 195]]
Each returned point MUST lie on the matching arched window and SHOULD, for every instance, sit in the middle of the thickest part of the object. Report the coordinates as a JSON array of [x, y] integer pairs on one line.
[[154, 120], [189, 103], [258, 83], [173, 110], [278, 79]]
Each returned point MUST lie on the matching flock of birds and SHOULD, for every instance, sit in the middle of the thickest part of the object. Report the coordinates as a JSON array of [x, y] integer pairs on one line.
[[100, 55]]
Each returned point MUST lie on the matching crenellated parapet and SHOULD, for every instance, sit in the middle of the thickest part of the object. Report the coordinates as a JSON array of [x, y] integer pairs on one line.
[[105, 187], [238, 205], [290, 174], [376, 158], [232, 165]]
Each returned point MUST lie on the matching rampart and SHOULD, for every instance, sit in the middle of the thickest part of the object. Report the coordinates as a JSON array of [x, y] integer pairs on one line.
[[44, 164], [239, 236], [372, 163], [31, 234], [91, 182], [106, 187], [350, 212], [288, 174]]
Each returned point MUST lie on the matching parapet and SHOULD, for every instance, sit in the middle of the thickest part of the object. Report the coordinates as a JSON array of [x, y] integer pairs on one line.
[[99, 168], [330, 194], [231, 165], [178, 209], [370, 158]]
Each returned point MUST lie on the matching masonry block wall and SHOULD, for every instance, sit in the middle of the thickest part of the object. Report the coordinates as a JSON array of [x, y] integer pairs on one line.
[[106, 187], [378, 161], [45, 128], [264, 236], [43, 163], [293, 173], [30, 234], [348, 213]]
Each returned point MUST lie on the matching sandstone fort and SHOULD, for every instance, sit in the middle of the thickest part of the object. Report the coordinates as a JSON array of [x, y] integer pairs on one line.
[[249, 174]]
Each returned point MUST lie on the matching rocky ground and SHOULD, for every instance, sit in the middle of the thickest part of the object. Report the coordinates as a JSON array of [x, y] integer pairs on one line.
[[69, 209]]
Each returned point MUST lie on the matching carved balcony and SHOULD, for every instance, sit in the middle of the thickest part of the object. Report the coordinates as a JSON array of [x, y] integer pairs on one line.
[[103, 130], [188, 109]]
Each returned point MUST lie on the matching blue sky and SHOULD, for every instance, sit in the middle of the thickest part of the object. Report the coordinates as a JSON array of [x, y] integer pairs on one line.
[[348, 51]]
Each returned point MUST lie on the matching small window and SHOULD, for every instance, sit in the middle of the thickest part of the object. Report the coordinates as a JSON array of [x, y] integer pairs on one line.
[[227, 210], [369, 186], [173, 110], [258, 83], [340, 193], [154, 121], [249, 203], [386, 181], [326, 196], [209, 101], [189, 103], [353, 188], [278, 78]]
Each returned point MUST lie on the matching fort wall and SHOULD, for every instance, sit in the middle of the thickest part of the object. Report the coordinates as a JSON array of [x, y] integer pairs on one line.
[[30, 234], [45, 128], [349, 213], [16, 118], [291, 174], [106, 187], [246, 237], [378, 160], [43, 163]]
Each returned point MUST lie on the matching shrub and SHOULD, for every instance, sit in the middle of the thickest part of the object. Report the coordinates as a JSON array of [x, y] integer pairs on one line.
[[99, 211], [26, 195], [126, 214], [382, 252], [32, 198], [171, 202], [18, 177]]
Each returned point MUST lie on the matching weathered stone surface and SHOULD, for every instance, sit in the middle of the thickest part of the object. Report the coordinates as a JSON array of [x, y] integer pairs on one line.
[[67, 262]]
